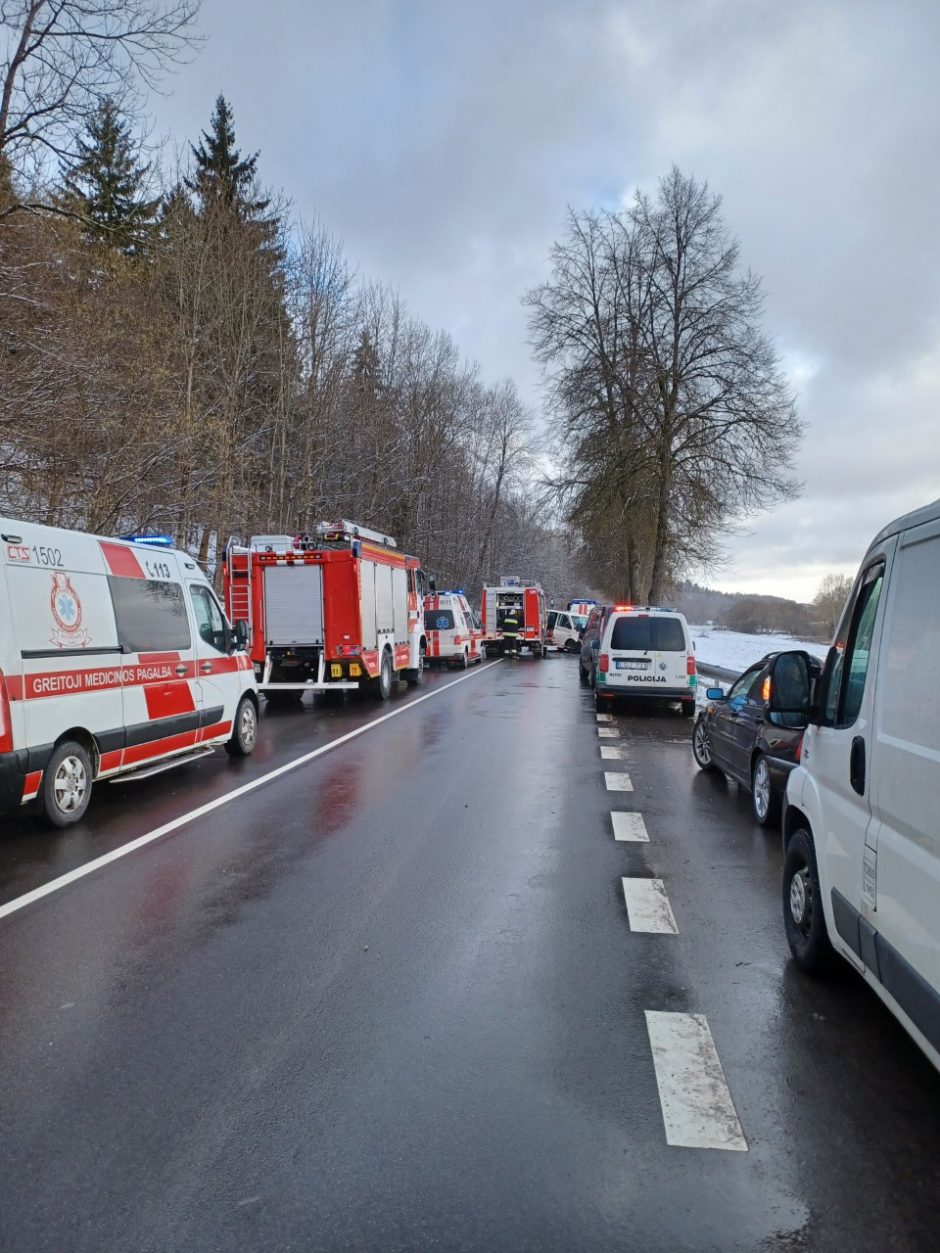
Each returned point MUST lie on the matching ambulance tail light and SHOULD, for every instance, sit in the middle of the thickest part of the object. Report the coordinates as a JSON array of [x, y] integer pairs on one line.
[[6, 718], [603, 662]]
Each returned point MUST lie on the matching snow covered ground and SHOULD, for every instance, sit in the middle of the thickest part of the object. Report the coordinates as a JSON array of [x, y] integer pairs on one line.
[[735, 650]]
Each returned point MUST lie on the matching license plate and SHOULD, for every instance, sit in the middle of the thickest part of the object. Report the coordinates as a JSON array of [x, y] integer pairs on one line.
[[336, 672], [633, 665]]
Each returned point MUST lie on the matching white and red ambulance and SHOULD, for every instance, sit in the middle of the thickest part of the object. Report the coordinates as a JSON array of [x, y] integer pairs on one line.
[[455, 637], [527, 602], [116, 660], [341, 609]]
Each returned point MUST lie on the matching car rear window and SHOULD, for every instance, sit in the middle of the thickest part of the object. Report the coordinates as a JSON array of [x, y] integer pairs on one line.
[[438, 620], [641, 635]]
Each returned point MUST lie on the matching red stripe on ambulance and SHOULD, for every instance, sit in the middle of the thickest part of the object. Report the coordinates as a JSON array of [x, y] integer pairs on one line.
[[122, 561]]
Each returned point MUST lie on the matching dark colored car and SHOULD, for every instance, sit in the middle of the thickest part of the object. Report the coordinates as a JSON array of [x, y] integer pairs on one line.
[[591, 642], [738, 734]]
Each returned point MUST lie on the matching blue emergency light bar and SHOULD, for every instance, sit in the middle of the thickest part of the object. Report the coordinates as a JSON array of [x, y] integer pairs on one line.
[[151, 541]]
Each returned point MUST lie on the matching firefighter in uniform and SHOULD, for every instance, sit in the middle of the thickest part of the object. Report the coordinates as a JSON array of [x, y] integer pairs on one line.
[[511, 633]]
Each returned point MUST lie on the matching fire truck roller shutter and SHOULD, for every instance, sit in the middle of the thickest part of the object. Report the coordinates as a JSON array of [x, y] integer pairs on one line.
[[367, 598], [384, 602], [400, 604], [293, 605]]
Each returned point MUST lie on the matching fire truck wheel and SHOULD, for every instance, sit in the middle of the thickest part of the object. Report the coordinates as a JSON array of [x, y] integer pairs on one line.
[[283, 700], [245, 729], [66, 784], [414, 678], [382, 686]]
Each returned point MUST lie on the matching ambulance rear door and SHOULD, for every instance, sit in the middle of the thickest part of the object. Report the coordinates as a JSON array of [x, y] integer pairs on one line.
[[64, 634]]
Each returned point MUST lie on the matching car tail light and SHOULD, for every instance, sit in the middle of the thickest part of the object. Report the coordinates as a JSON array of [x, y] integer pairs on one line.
[[690, 664], [798, 751], [6, 718], [603, 663]]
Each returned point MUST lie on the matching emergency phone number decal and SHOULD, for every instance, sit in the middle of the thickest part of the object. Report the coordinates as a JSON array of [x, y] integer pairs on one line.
[[39, 555]]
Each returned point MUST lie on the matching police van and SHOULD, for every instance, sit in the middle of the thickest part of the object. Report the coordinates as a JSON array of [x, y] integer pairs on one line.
[[116, 661], [641, 652], [454, 635]]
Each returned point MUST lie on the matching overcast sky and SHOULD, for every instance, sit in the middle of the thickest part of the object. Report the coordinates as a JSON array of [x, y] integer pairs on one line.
[[443, 141]]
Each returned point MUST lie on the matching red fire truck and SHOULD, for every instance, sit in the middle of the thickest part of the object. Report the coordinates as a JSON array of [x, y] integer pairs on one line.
[[337, 611], [527, 601]]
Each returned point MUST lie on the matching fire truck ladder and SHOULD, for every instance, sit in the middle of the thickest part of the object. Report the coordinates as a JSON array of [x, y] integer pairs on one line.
[[239, 582]]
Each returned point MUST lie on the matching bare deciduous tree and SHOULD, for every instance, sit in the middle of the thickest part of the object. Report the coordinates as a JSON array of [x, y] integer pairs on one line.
[[672, 413], [62, 57]]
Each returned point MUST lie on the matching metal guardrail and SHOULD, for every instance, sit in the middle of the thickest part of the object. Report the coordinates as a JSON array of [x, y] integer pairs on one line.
[[716, 672]]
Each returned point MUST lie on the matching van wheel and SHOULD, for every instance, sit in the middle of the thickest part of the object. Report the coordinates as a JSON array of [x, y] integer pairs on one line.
[[765, 803], [582, 675], [66, 784], [382, 686], [803, 916], [244, 730], [688, 708]]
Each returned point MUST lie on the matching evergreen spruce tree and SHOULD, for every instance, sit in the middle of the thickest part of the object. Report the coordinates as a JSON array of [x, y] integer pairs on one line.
[[223, 179], [106, 184]]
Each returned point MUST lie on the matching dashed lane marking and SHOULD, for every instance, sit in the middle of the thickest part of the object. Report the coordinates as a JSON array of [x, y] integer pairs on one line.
[[608, 733], [648, 907], [617, 781], [698, 1111], [605, 717], [610, 753], [54, 885], [629, 828]]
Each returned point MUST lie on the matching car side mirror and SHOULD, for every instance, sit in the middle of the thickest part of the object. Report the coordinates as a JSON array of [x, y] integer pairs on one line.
[[714, 693], [241, 635], [788, 687]]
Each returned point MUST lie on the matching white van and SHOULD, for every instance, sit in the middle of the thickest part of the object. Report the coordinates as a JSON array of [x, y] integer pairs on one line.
[[454, 634], [861, 831], [115, 659], [644, 653], [564, 630]]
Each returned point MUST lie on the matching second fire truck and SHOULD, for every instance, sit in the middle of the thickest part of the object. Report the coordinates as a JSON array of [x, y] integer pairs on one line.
[[336, 611], [527, 602]]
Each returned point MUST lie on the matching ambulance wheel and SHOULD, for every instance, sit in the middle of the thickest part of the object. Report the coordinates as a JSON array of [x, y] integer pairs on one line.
[[66, 784], [382, 686], [244, 730]]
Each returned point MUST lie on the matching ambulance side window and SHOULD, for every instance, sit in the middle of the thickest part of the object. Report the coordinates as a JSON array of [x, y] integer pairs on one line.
[[151, 615], [209, 621]]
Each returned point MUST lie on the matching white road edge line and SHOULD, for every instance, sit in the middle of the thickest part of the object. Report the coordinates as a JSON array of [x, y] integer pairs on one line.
[[54, 885], [648, 907], [618, 781], [610, 753], [629, 828], [696, 1102]]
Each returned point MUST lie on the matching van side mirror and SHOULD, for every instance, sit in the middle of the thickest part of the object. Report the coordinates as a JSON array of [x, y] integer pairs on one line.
[[241, 635], [432, 582]]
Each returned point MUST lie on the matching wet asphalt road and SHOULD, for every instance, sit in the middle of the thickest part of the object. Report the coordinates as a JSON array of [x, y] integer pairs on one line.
[[391, 1000]]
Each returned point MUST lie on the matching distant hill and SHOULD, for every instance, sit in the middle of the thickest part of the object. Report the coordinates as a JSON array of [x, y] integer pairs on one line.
[[742, 611]]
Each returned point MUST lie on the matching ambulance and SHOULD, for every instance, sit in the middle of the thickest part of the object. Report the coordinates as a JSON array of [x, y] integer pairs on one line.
[[455, 637], [527, 602], [116, 662], [335, 611]]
